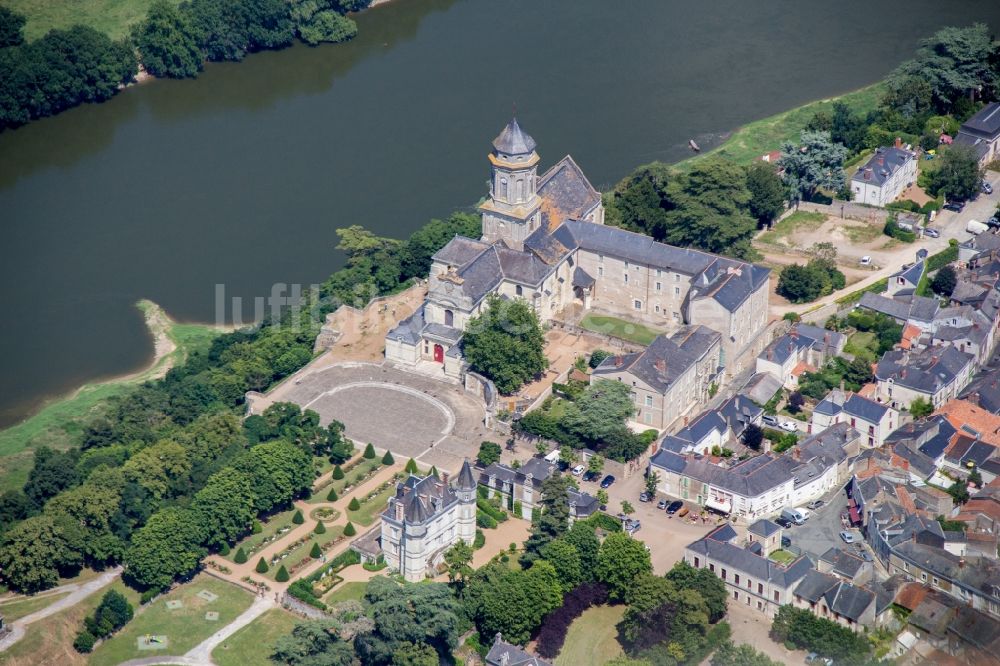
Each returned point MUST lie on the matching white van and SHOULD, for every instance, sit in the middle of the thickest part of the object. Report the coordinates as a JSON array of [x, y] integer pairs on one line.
[[976, 228], [797, 516]]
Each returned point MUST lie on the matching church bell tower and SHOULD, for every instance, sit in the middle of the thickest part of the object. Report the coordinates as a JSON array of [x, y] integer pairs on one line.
[[511, 213]]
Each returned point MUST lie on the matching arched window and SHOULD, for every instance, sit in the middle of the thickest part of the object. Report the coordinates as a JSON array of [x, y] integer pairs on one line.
[[520, 189], [503, 188], [519, 290], [449, 318]]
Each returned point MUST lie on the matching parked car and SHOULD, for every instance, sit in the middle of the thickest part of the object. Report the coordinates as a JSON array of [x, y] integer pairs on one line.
[[815, 504], [770, 420], [784, 522], [661, 505], [955, 206], [866, 556], [931, 232], [590, 476], [789, 425], [607, 481], [813, 658], [785, 542], [993, 222], [632, 526], [578, 470], [987, 188], [848, 537], [866, 261], [645, 497], [674, 507], [562, 465]]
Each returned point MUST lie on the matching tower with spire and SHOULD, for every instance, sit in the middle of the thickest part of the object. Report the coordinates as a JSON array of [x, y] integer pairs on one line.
[[511, 213]]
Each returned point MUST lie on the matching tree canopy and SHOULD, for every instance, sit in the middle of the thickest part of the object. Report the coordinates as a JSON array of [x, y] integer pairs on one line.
[[505, 343], [815, 163], [958, 175]]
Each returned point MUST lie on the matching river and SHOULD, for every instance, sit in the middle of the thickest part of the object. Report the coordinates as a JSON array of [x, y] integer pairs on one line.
[[241, 176]]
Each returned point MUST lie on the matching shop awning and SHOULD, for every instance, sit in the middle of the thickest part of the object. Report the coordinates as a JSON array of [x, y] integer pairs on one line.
[[719, 506], [854, 515]]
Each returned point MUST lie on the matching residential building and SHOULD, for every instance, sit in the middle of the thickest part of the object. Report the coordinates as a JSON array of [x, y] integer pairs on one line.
[[670, 377], [803, 348], [872, 419], [715, 427], [521, 488], [766, 533], [883, 178], [905, 281], [982, 132], [425, 518], [503, 653], [936, 374], [544, 241], [845, 565], [972, 420], [984, 391], [904, 308], [828, 597]]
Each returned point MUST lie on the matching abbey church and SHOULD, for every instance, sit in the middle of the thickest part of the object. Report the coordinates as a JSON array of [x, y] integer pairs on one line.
[[544, 240]]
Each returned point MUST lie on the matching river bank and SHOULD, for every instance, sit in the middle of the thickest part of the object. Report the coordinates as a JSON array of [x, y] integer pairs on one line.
[[59, 420]]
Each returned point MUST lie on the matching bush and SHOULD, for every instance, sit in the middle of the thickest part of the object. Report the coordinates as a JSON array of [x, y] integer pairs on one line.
[[490, 510], [298, 518], [345, 559], [261, 566], [485, 521], [369, 451], [320, 528], [411, 466], [337, 475], [241, 556], [256, 528], [149, 595], [302, 590], [315, 552], [282, 575], [224, 549], [604, 521], [84, 642], [479, 541], [556, 624], [489, 453], [597, 357], [892, 230], [387, 459], [349, 529], [332, 495], [828, 639], [354, 504]]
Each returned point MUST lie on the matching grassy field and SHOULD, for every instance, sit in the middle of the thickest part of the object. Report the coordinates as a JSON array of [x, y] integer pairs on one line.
[[274, 523], [619, 328], [351, 478], [110, 16], [862, 345], [50, 641], [592, 638], [184, 627], [782, 556], [800, 220], [366, 514], [58, 424], [345, 592], [302, 552], [15, 610], [251, 645], [762, 136]]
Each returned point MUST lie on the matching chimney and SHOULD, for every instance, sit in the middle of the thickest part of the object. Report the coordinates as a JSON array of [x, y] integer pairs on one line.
[[399, 510], [961, 562], [899, 142], [770, 354], [504, 658], [444, 477], [619, 361], [661, 365]]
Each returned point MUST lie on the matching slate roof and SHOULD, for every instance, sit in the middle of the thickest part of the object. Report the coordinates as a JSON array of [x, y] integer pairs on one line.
[[582, 278], [866, 409], [832, 404], [882, 165], [749, 478], [986, 122], [504, 654], [978, 143], [762, 387], [814, 586], [985, 391], [923, 308], [466, 480], [741, 559], [513, 140], [666, 359], [925, 371], [844, 563], [764, 528], [784, 348], [422, 497], [739, 412], [911, 274], [849, 600], [887, 306], [480, 267], [566, 194]]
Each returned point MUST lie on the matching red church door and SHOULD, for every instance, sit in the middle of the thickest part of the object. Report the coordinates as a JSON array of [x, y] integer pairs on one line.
[[438, 354]]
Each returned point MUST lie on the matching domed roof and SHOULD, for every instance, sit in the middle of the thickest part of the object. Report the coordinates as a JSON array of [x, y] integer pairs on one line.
[[513, 140]]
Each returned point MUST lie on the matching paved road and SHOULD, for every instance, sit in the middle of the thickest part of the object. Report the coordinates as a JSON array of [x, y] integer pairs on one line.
[[79, 593]]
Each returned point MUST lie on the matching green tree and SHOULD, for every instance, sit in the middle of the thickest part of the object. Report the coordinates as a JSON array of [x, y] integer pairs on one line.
[[802, 284], [349, 529], [369, 452], [729, 654], [753, 436], [705, 583], [298, 518], [166, 42], [620, 560], [261, 566], [554, 519], [241, 556], [316, 25], [169, 545], [959, 492], [768, 193], [603, 407], [489, 453], [282, 575], [602, 497], [596, 464], [958, 175], [415, 654], [565, 559], [459, 561], [425, 613], [313, 643], [337, 474], [280, 472], [921, 407], [11, 27], [816, 163], [320, 528], [354, 504], [332, 495], [640, 202], [944, 281], [505, 343], [652, 482], [411, 466], [583, 538], [340, 447], [387, 459], [512, 602], [627, 508], [804, 630], [567, 455], [34, 552], [225, 505]]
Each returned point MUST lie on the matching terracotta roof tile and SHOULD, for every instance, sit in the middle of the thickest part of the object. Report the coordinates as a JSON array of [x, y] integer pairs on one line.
[[911, 595], [963, 413]]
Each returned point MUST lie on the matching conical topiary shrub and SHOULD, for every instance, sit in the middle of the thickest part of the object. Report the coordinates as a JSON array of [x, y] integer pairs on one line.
[[241, 556], [297, 518], [257, 528], [282, 575], [349, 529], [434, 472], [369, 451], [224, 549], [411, 466], [387, 459], [332, 495], [261, 566], [338, 473], [316, 551], [320, 528], [354, 504]]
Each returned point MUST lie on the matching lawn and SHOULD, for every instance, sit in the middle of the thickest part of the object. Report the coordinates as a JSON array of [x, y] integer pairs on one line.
[[762, 136], [862, 345], [782, 556], [800, 220], [619, 328], [109, 16], [184, 627], [345, 592], [302, 552], [274, 523], [60, 423], [351, 478], [50, 641], [366, 514], [252, 645], [592, 638], [15, 610]]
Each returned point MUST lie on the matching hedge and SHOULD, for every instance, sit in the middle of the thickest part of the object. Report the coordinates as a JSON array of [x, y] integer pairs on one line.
[[604, 521], [302, 590], [485, 521], [486, 507]]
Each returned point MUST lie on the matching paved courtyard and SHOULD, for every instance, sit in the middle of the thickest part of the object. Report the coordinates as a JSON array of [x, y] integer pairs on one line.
[[412, 415]]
